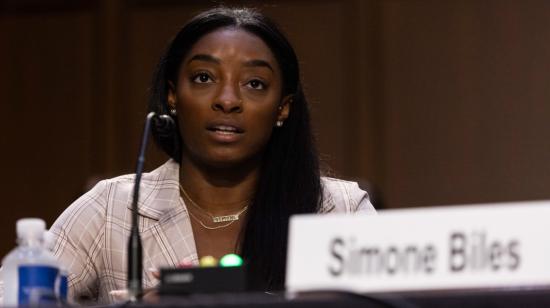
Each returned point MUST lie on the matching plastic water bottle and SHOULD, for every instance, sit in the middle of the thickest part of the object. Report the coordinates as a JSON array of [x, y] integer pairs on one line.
[[30, 271], [62, 283], [62, 287]]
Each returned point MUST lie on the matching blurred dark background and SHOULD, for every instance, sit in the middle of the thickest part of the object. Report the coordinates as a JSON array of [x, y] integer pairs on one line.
[[425, 102]]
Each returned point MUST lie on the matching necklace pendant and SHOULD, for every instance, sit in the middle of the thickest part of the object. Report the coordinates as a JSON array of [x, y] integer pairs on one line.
[[225, 218]]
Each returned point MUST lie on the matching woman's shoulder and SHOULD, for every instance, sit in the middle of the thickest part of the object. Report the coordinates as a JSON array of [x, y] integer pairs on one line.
[[341, 196], [120, 188], [165, 173], [112, 197]]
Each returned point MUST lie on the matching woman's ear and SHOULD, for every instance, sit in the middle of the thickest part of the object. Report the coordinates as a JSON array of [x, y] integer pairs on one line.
[[171, 95], [284, 108]]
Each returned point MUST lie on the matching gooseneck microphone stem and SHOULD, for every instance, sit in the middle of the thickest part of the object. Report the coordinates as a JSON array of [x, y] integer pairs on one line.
[[135, 250]]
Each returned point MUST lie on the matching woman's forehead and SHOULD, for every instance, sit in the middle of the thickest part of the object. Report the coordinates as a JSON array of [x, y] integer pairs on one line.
[[232, 43]]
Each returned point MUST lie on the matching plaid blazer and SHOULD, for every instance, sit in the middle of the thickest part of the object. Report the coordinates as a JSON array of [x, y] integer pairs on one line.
[[90, 236]]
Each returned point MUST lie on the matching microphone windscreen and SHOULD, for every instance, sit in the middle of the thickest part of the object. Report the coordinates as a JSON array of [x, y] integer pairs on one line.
[[164, 124]]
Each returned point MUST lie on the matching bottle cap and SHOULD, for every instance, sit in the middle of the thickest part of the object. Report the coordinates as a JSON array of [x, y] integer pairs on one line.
[[30, 228]]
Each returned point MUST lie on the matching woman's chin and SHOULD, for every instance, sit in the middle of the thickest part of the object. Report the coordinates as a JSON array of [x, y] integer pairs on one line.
[[229, 161], [223, 157], [221, 160]]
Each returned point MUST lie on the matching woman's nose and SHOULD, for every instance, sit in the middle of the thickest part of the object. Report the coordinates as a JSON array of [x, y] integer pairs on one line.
[[228, 100]]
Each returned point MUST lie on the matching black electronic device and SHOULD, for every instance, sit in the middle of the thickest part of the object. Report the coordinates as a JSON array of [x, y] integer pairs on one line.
[[203, 280]]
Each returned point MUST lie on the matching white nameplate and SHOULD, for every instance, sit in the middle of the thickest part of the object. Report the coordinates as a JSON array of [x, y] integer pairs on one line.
[[459, 247]]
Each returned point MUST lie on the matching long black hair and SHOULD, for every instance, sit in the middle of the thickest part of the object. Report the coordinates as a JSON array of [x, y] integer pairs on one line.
[[289, 181]]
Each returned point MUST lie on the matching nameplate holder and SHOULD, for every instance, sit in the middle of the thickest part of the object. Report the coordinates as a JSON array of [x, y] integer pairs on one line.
[[442, 248]]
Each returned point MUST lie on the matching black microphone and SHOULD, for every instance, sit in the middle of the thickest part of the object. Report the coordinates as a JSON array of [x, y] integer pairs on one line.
[[135, 250]]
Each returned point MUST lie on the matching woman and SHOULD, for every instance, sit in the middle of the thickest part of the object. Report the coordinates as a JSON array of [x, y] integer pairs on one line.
[[242, 162]]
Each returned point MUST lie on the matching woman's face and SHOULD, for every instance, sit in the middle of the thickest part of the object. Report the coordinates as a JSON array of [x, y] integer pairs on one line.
[[228, 98]]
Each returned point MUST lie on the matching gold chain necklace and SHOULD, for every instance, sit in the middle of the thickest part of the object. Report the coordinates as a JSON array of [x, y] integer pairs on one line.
[[208, 227], [215, 219]]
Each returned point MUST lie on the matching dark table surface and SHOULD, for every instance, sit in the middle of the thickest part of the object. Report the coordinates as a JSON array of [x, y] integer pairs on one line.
[[523, 297]]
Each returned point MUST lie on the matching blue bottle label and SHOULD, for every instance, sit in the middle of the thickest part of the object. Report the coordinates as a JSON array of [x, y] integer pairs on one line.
[[37, 284], [63, 287]]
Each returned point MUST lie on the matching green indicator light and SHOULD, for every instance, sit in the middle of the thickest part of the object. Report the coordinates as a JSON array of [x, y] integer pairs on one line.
[[231, 260]]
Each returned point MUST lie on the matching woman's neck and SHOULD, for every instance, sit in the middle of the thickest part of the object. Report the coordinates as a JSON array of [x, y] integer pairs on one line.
[[219, 190]]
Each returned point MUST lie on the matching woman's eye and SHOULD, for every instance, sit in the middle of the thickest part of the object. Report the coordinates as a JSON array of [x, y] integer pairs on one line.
[[202, 78], [256, 84]]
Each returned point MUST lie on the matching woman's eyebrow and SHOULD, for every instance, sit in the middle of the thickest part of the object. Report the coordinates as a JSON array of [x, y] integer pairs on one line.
[[212, 59], [204, 57], [254, 63]]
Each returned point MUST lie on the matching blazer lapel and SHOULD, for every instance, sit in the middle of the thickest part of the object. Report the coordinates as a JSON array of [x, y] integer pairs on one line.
[[165, 228]]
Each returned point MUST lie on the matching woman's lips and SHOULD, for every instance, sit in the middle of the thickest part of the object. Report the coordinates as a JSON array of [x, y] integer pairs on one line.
[[225, 128], [225, 133]]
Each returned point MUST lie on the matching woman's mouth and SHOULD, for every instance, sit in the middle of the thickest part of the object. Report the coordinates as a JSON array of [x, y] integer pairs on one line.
[[225, 129], [225, 133]]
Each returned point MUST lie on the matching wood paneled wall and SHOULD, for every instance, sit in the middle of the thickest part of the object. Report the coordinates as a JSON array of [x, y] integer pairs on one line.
[[466, 101], [431, 102]]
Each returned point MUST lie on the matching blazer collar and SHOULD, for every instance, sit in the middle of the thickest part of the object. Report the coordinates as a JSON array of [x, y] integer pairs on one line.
[[159, 191]]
